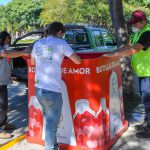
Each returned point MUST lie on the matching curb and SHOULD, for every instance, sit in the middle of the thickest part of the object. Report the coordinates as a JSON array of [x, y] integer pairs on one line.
[[12, 142]]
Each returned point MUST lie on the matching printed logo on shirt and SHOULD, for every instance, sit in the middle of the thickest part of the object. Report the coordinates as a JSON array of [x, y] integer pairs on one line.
[[37, 81], [44, 53]]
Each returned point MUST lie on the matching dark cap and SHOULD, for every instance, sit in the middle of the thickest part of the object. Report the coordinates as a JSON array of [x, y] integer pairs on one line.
[[137, 16]]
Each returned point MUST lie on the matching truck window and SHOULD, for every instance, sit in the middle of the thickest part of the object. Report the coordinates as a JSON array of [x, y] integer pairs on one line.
[[68, 34], [108, 39], [98, 38], [30, 39], [79, 38]]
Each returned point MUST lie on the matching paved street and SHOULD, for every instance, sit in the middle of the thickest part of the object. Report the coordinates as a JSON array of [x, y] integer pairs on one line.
[[18, 115], [17, 109], [128, 140], [24, 145]]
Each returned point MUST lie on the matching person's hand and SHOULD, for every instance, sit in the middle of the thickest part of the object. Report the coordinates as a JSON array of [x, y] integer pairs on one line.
[[108, 55], [3, 54], [25, 54]]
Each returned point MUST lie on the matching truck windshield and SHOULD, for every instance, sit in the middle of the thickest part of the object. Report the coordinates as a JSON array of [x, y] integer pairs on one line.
[[76, 37]]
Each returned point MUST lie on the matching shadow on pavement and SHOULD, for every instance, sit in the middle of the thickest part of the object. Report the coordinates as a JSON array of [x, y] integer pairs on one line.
[[18, 109], [135, 114]]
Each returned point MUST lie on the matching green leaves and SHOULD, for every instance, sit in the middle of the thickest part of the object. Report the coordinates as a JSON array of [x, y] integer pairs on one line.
[[133, 5], [78, 11], [19, 15], [24, 15]]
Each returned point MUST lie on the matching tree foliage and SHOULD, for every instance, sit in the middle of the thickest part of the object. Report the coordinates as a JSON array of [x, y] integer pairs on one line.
[[78, 11], [132, 5], [27, 15], [21, 15], [87, 11]]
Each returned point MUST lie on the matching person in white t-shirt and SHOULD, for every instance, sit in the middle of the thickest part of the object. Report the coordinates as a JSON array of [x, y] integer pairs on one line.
[[48, 54]]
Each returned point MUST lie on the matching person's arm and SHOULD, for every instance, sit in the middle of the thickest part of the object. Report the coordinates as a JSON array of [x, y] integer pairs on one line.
[[68, 51], [75, 58], [27, 51], [126, 50], [33, 54], [11, 54], [33, 61], [15, 53]]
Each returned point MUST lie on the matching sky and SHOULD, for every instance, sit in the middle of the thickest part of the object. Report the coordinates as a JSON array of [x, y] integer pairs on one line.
[[3, 2]]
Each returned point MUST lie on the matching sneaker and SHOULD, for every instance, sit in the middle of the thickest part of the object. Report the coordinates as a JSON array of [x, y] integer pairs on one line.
[[143, 133], [4, 135], [141, 126], [7, 126]]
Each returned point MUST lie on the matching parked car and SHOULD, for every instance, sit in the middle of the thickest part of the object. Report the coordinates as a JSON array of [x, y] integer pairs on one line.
[[19, 65], [83, 39]]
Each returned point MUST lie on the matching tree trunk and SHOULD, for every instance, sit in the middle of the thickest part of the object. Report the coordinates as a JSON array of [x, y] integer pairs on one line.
[[121, 34]]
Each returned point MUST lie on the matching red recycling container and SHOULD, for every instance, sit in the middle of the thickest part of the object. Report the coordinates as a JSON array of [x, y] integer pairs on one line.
[[93, 112]]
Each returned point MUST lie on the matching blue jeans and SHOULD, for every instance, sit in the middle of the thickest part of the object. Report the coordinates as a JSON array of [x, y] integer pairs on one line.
[[145, 95], [51, 103]]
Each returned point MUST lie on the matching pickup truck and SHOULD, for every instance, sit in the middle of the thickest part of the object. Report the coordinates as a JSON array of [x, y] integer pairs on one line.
[[83, 39]]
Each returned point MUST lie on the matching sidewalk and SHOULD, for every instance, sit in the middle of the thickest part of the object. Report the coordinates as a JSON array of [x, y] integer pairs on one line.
[[18, 116], [17, 113], [128, 141]]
